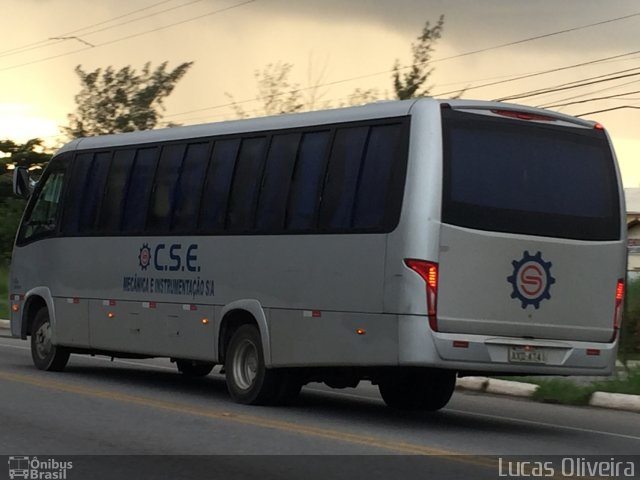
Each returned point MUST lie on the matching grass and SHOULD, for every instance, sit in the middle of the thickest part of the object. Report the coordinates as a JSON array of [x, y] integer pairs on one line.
[[562, 391], [4, 292], [567, 392]]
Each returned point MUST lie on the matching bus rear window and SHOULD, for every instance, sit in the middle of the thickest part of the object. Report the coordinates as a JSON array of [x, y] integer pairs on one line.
[[528, 178]]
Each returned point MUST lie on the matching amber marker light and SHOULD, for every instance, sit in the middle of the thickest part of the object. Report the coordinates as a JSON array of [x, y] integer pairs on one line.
[[111, 315], [15, 307], [360, 331], [205, 321]]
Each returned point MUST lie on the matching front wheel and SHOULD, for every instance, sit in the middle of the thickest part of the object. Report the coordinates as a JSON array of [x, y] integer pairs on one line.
[[418, 389], [46, 355], [248, 380]]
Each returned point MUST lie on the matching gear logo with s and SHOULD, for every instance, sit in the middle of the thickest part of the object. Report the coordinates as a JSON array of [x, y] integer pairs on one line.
[[531, 280], [144, 257]]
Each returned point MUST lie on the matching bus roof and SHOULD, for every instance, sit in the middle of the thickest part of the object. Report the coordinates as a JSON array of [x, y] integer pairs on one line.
[[351, 114], [381, 109]]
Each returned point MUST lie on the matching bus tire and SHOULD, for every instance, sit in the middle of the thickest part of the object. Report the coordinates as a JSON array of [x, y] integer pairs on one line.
[[46, 355], [193, 369], [418, 389], [248, 380]]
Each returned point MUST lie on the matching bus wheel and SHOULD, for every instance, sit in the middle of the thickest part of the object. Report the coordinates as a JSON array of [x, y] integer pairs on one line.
[[191, 368], [248, 380], [46, 355], [418, 389]]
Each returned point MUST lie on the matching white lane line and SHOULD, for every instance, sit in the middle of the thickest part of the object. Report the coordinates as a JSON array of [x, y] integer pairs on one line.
[[544, 424], [495, 417], [365, 397]]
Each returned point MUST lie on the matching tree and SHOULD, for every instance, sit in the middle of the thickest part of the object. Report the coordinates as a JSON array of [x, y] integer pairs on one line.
[[278, 95], [125, 100], [275, 91], [411, 84]]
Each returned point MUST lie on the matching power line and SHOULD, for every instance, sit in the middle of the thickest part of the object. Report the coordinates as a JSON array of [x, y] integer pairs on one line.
[[45, 43], [544, 72], [596, 99], [608, 110], [592, 92], [215, 107], [559, 88], [139, 34]]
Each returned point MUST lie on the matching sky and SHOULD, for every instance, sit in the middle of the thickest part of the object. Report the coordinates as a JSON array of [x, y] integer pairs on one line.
[[340, 45]]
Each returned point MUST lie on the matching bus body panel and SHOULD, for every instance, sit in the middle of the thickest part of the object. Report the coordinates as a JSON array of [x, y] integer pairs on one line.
[[479, 267], [418, 345], [109, 302], [417, 235], [308, 338]]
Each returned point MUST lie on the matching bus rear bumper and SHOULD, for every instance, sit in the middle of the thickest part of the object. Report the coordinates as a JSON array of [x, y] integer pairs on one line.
[[495, 354]]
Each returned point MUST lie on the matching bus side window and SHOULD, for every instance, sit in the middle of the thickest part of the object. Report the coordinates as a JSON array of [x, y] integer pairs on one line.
[[189, 191], [375, 188], [75, 190], [342, 178], [307, 181], [138, 190], [216, 191], [246, 184], [42, 219], [276, 181], [164, 188], [84, 192], [112, 201]]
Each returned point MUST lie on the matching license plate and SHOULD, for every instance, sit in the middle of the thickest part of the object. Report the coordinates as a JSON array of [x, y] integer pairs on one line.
[[527, 355]]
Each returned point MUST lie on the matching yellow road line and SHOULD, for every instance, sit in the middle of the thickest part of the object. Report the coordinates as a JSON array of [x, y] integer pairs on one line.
[[289, 427], [253, 420]]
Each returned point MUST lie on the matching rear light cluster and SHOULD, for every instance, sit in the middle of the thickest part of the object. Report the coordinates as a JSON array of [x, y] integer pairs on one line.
[[617, 316], [524, 115], [428, 271]]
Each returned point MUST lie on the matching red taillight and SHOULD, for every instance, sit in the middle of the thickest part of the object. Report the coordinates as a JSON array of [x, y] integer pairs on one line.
[[524, 115], [428, 271], [617, 316]]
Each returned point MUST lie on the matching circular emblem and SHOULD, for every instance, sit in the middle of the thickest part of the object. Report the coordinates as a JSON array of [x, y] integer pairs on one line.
[[531, 280], [144, 257]]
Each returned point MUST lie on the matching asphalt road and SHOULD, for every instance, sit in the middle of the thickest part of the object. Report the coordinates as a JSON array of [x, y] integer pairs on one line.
[[145, 408]]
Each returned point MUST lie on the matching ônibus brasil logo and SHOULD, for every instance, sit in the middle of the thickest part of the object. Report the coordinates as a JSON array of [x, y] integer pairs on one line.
[[531, 279]]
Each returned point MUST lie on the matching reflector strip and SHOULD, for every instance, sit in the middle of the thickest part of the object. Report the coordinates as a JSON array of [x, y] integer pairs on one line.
[[148, 304], [189, 308], [108, 303], [312, 313], [74, 301]]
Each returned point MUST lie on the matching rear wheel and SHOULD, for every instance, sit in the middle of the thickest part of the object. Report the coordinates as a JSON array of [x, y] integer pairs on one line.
[[248, 380], [191, 368], [418, 389], [46, 355]]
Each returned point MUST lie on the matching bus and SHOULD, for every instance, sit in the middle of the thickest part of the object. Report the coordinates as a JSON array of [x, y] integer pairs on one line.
[[405, 243]]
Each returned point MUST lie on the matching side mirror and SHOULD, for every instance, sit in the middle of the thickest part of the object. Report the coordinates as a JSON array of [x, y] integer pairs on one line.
[[22, 184]]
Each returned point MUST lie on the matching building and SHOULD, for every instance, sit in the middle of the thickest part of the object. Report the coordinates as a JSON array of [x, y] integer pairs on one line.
[[632, 196]]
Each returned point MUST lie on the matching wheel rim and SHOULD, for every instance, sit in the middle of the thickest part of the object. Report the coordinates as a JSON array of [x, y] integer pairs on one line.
[[245, 364], [43, 340]]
